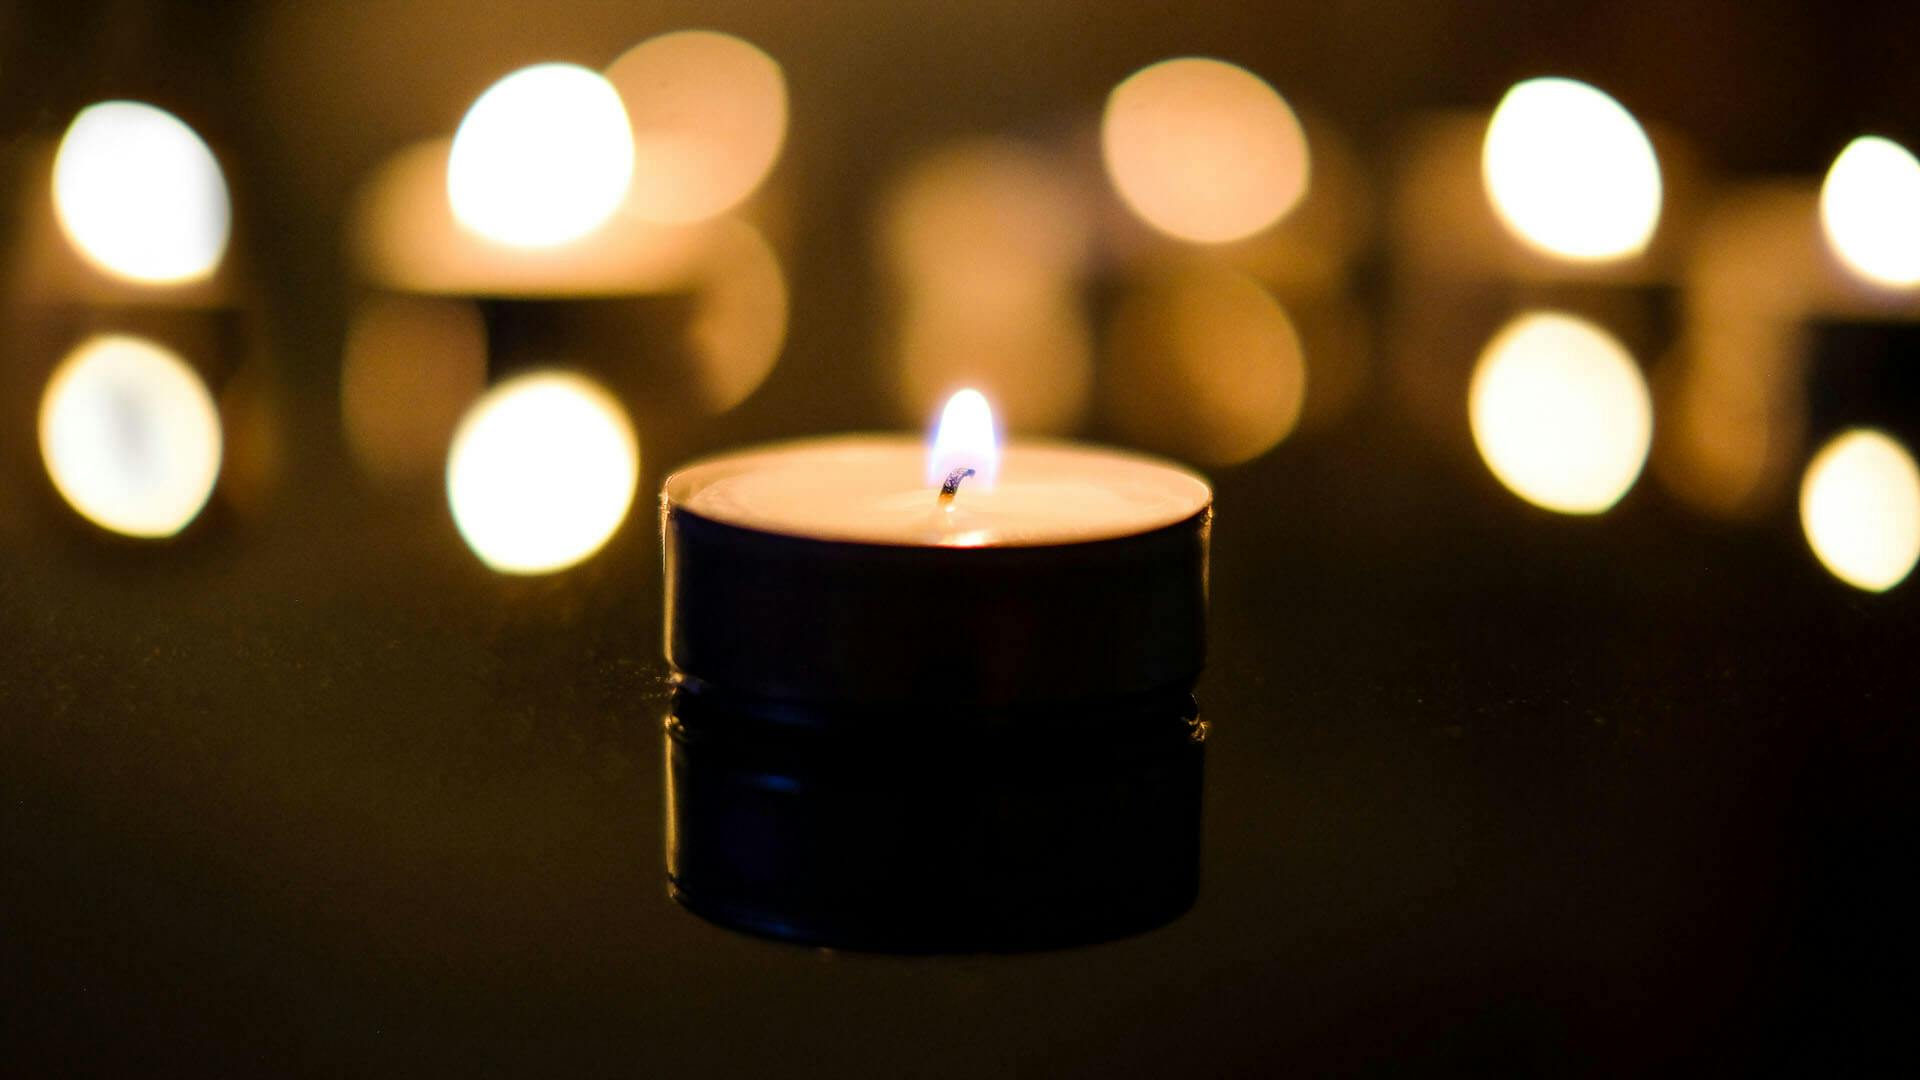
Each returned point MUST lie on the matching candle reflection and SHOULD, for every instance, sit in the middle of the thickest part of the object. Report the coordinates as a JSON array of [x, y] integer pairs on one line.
[[1860, 507], [739, 320], [1204, 364], [542, 472], [130, 436], [1561, 414]]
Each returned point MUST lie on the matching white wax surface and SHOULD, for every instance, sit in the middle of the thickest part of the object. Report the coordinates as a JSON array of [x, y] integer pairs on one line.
[[873, 489]]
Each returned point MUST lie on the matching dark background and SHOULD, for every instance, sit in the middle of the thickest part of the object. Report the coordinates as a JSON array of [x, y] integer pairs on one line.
[[309, 790]]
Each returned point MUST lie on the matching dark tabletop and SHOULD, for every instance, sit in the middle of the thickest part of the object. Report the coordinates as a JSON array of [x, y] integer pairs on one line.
[[1486, 786]]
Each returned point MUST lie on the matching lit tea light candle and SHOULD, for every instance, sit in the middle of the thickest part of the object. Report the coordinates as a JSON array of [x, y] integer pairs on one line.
[[893, 490], [912, 679]]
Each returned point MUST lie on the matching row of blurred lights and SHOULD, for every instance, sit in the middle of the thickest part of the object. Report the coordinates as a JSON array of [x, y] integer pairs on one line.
[[648, 156], [1558, 408]]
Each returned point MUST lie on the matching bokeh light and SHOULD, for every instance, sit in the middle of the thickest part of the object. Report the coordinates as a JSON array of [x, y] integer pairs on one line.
[[139, 194], [1870, 206], [1860, 507], [1570, 171], [739, 320], [543, 157], [709, 115], [1203, 150], [1561, 413], [412, 366], [542, 472], [130, 436], [1204, 364]]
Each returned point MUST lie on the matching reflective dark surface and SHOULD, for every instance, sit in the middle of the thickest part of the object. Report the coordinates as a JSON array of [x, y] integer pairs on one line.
[[308, 790], [1484, 787]]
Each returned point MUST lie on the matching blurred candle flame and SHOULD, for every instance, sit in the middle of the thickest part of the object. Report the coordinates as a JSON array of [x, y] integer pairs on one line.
[[965, 439], [139, 195], [709, 116], [545, 156], [1204, 150], [1860, 507], [1571, 172], [1870, 208]]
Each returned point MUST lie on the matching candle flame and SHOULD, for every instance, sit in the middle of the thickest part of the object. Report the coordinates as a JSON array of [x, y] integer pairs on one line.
[[965, 440]]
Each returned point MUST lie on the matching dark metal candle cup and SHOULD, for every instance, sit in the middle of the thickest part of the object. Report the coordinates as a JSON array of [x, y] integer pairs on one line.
[[933, 749]]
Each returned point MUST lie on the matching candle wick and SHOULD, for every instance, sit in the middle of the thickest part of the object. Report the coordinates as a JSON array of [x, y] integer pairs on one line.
[[952, 485]]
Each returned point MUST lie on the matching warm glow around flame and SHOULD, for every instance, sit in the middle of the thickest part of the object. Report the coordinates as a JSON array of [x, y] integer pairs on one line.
[[1870, 205], [1860, 506], [965, 440], [1570, 171], [543, 157]]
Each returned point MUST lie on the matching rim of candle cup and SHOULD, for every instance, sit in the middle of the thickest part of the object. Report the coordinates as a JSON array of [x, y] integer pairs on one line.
[[679, 487]]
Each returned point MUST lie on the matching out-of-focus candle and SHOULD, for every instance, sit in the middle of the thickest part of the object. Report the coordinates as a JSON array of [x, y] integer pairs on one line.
[[918, 645]]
